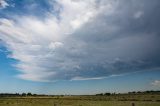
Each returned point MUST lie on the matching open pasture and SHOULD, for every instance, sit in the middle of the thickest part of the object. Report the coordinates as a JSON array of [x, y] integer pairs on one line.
[[117, 100]]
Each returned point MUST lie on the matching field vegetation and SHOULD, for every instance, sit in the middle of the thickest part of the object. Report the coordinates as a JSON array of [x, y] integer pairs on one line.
[[106, 99]]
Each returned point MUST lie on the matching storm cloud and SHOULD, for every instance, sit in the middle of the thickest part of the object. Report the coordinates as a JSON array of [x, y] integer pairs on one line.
[[90, 39]]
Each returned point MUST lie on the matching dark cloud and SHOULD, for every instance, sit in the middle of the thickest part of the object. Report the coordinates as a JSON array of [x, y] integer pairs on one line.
[[130, 33]]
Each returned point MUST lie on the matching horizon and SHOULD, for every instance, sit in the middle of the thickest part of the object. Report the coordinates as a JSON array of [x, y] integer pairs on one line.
[[79, 47], [102, 93]]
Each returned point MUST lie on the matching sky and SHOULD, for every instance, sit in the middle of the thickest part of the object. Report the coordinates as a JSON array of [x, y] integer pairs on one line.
[[79, 46]]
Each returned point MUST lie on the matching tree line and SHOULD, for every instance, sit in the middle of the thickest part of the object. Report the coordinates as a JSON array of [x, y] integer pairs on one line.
[[19, 94], [133, 92], [100, 94]]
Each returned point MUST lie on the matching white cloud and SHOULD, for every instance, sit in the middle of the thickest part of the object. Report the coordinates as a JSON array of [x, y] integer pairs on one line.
[[37, 44], [156, 83], [80, 78], [3, 4], [55, 45]]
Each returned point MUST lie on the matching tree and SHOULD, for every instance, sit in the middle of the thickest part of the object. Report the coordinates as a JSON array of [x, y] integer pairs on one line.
[[101, 94], [107, 94], [29, 94], [23, 94]]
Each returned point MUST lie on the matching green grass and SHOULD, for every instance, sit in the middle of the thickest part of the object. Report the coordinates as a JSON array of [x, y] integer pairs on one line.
[[118, 100]]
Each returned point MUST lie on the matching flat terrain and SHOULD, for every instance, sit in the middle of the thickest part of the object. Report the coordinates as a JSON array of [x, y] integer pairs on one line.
[[116, 100]]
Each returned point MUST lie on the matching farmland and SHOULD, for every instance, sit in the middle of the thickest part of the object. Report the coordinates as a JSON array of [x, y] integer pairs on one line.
[[113, 100]]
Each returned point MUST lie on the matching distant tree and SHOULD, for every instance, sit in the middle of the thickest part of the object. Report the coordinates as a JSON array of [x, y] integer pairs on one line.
[[29, 94], [139, 92], [133, 92], [34, 94], [23, 94], [107, 94], [101, 94]]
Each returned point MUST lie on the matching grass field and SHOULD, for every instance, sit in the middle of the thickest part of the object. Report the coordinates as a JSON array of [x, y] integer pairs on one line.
[[120, 100]]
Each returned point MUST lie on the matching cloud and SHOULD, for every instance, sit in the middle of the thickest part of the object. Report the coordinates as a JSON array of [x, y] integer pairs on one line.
[[3, 4], [138, 14], [156, 83], [84, 40]]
